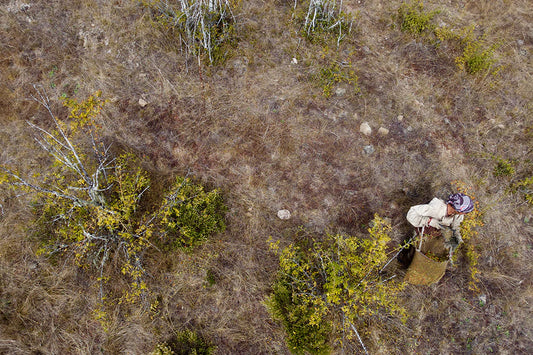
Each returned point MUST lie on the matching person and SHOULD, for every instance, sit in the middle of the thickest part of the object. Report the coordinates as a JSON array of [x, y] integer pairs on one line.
[[444, 217]]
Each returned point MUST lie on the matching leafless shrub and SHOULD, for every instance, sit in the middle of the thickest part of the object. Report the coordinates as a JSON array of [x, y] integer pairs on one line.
[[202, 25]]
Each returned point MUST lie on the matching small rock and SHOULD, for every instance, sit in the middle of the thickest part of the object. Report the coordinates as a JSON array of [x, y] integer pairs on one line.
[[142, 102], [483, 300], [33, 265], [239, 66], [369, 149], [409, 129], [520, 42], [383, 131], [400, 118], [365, 129], [355, 116], [340, 91], [284, 214], [294, 61]]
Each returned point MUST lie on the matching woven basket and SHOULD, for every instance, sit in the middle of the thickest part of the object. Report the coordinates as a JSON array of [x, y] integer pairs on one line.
[[425, 271]]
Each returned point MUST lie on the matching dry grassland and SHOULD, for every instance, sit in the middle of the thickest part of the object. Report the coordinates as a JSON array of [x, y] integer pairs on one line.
[[258, 128]]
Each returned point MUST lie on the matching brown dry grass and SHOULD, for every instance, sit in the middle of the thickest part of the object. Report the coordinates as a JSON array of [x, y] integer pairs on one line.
[[258, 128]]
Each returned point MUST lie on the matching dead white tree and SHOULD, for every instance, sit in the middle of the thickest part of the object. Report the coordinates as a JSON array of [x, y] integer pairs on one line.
[[326, 14], [92, 195], [200, 23]]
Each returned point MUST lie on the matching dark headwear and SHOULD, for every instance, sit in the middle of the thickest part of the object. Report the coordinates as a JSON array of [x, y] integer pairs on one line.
[[461, 202]]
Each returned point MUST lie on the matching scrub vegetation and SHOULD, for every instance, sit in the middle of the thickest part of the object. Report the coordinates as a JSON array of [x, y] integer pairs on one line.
[[148, 145]]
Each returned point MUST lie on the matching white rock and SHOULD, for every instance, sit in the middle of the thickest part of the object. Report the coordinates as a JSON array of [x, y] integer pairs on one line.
[[142, 102], [369, 149], [284, 214], [400, 118], [340, 91], [483, 300], [383, 131], [365, 129], [294, 61]]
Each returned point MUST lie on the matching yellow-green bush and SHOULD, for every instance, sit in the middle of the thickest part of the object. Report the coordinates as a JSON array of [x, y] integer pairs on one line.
[[414, 19], [330, 76], [469, 232], [326, 288], [190, 214], [90, 206], [477, 54]]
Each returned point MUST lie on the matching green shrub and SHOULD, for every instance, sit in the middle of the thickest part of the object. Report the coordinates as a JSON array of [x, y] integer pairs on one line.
[[524, 187], [330, 76], [326, 288], [503, 168], [413, 19], [162, 349], [295, 313], [90, 206], [477, 55], [185, 342], [191, 215]]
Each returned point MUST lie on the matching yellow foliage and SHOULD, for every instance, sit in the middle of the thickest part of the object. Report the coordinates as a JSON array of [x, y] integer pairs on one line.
[[332, 284], [469, 232], [83, 114]]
